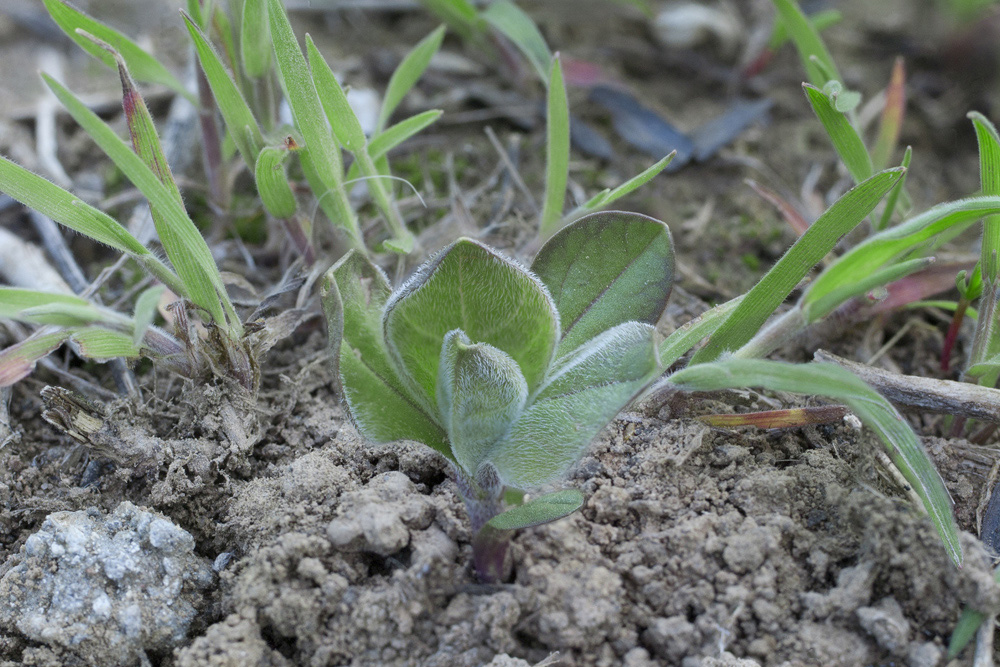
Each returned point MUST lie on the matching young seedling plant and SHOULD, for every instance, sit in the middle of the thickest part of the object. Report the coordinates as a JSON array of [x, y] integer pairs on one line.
[[508, 372]]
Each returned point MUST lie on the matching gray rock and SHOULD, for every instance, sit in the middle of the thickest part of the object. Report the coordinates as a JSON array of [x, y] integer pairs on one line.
[[886, 623], [105, 588]]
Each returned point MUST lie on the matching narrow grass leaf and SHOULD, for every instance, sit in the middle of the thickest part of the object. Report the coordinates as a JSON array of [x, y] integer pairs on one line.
[[691, 333], [145, 312], [846, 141], [272, 182], [394, 135], [808, 42], [144, 66], [103, 344], [538, 511], [895, 242], [820, 21], [820, 308], [13, 300], [408, 73], [876, 412], [896, 195], [183, 243], [460, 15], [605, 269], [765, 297], [66, 314], [989, 174], [608, 197], [49, 199], [323, 154], [518, 27], [556, 151], [255, 37], [18, 361], [892, 116], [240, 121]]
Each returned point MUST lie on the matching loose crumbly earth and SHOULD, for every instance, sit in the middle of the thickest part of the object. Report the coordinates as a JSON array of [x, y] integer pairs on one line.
[[695, 547]]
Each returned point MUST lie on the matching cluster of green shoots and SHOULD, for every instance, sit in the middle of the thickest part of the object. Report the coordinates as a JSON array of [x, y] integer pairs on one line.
[[509, 372]]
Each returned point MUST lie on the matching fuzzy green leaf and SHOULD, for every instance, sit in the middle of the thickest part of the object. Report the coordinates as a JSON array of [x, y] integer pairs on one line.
[[874, 411], [103, 344], [255, 38], [765, 297], [556, 151], [581, 396], [893, 243], [18, 361], [518, 27], [989, 176], [49, 199], [846, 141], [240, 121], [65, 314], [339, 113], [480, 393], [143, 66], [385, 141], [272, 182], [538, 511], [15, 300], [181, 240], [145, 312], [605, 269], [407, 74], [473, 288], [354, 293]]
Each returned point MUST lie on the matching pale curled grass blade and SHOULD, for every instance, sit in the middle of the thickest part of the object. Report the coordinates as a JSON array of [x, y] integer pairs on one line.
[[846, 141], [407, 74], [181, 240], [65, 208], [765, 297], [144, 66], [240, 121], [145, 312], [556, 151], [321, 157], [876, 412]]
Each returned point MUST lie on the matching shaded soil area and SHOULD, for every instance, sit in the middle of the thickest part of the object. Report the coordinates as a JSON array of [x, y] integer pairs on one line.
[[696, 547]]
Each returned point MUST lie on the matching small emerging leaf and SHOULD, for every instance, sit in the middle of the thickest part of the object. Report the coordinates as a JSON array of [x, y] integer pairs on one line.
[[407, 74], [556, 150], [849, 145], [518, 27], [272, 182], [538, 511], [145, 312], [393, 136], [605, 269], [470, 287], [608, 197]]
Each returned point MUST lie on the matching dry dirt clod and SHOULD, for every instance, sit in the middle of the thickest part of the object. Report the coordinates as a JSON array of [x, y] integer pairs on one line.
[[106, 589]]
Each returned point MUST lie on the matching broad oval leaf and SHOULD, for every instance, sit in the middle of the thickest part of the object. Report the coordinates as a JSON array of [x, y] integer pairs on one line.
[[541, 510], [470, 287], [354, 293], [480, 393], [605, 269], [586, 391]]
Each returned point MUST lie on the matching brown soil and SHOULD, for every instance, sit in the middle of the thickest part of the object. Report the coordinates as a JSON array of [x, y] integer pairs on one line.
[[696, 547]]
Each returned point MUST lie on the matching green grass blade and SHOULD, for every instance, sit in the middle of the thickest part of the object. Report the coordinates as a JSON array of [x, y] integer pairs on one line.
[[18, 361], [820, 308], [13, 300], [272, 183], [691, 333], [765, 297], [49, 199], [181, 240], [254, 36], [556, 151], [145, 312], [143, 66], [893, 200], [323, 154], [394, 135], [348, 131], [820, 21], [874, 411], [65, 314], [103, 344], [608, 197], [518, 27], [895, 242], [240, 121], [808, 42], [407, 74], [968, 624], [459, 15], [846, 141], [989, 170]]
